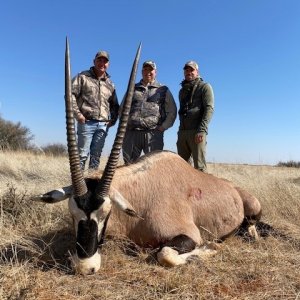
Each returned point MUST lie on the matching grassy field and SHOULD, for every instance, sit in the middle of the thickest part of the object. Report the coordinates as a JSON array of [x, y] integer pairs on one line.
[[36, 239]]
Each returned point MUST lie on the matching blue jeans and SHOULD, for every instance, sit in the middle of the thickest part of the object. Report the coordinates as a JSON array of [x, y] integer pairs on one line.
[[91, 138]]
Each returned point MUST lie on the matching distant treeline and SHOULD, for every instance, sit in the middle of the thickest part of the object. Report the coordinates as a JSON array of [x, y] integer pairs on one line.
[[291, 163]]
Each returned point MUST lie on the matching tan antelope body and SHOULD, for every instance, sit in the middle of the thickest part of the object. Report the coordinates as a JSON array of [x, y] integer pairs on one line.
[[173, 198], [170, 205]]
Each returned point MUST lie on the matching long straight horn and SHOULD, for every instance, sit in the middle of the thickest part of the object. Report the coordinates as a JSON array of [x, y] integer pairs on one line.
[[79, 185], [111, 165]]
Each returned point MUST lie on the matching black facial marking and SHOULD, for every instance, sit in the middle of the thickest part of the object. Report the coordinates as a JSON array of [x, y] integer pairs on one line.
[[87, 238], [89, 202]]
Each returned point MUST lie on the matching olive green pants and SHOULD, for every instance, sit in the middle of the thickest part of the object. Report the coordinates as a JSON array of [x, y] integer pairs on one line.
[[186, 147]]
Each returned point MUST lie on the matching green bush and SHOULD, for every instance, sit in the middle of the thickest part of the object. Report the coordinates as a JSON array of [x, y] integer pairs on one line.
[[14, 136]]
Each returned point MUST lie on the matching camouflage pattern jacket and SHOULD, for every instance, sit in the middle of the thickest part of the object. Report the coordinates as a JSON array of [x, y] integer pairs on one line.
[[94, 97], [196, 100], [152, 105]]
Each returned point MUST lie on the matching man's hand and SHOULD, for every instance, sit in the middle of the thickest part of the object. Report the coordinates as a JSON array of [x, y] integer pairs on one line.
[[110, 123], [81, 119], [160, 128], [198, 138]]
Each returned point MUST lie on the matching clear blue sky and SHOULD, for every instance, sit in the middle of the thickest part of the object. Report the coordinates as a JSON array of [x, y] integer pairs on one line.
[[248, 50]]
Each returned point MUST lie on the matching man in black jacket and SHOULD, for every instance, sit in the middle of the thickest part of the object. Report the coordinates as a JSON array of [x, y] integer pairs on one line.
[[153, 111]]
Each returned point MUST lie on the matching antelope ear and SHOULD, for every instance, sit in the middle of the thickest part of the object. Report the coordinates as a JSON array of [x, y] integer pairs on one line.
[[122, 203], [55, 195]]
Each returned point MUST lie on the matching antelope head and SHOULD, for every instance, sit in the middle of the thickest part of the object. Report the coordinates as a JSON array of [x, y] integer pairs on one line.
[[89, 201]]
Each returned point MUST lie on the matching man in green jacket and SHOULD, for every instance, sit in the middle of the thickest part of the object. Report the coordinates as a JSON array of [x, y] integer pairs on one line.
[[196, 101]]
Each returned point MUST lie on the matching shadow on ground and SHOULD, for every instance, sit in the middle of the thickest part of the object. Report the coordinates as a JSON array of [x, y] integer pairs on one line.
[[47, 252]]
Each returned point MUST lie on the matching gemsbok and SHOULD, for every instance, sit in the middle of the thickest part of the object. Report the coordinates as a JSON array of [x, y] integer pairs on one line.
[[168, 204]]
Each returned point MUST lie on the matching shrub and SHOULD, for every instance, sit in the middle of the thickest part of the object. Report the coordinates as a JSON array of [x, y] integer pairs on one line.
[[55, 149], [291, 164], [14, 136]]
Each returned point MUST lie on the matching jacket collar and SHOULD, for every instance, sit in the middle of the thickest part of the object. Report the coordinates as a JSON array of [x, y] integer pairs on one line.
[[192, 82], [154, 83], [93, 73]]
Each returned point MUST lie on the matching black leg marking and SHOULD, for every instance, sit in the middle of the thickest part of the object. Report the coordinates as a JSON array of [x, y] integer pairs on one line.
[[181, 243], [253, 219]]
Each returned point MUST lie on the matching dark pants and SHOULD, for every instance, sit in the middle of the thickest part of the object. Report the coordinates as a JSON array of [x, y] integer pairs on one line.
[[136, 141], [186, 147]]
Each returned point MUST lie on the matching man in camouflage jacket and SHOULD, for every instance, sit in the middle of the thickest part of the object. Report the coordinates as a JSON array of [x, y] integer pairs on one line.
[[196, 109], [95, 107], [153, 111]]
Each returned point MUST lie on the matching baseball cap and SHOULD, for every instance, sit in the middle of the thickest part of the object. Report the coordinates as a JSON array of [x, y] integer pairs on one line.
[[150, 63], [191, 64], [102, 54]]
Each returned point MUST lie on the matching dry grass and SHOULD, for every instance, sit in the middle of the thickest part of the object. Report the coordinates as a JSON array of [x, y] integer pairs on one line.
[[35, 240]]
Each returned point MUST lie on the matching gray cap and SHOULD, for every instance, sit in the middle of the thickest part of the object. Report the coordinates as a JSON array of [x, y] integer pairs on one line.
[[150, 63], [191, 64], [102, 54]]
